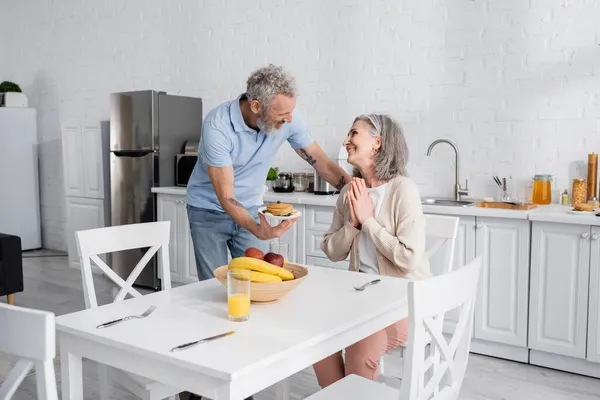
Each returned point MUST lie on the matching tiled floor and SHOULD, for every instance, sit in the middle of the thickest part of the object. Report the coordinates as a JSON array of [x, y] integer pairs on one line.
[[51, 285]]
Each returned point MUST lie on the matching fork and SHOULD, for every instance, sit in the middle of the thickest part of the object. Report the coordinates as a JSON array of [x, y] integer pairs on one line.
[[363, 287], [117, 321]]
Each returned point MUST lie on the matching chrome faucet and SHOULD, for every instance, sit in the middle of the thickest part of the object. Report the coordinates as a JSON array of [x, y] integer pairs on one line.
[[458, 190]]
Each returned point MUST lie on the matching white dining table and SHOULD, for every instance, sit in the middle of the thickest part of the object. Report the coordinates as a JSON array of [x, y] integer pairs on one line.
[[323, 315]]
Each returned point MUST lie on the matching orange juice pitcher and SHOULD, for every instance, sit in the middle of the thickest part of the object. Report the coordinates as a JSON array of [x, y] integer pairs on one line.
[[542, 189]]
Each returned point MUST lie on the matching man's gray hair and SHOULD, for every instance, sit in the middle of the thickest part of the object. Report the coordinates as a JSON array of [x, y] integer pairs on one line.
[[392, 157], [267, 82]]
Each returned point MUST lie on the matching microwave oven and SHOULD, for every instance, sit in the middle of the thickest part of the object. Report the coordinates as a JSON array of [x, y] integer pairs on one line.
[[184, 165]]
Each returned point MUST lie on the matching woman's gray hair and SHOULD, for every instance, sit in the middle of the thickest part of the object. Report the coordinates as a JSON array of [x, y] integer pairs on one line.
[[267, 82], [392, 156]]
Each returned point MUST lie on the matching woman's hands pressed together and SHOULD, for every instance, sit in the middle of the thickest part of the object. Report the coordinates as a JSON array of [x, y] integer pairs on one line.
[[360, 202]]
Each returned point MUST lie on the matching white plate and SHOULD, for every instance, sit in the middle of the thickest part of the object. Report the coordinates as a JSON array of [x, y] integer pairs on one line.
[[295, 215], [573, 211]]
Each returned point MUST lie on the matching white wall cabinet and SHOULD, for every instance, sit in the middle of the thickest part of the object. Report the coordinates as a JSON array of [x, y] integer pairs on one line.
[[85, 184], [83, 161], [502, 300], [560, 265]]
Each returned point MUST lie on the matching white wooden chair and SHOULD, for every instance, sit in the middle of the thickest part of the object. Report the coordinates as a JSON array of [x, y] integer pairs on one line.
[[94, 242], [436, 374], [30, 336], [441, 232]]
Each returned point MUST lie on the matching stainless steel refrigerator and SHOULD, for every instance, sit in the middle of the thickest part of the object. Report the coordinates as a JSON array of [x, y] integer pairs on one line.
[[147, 130]]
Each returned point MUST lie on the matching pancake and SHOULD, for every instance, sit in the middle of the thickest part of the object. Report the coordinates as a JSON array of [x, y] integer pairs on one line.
[[280, 209]]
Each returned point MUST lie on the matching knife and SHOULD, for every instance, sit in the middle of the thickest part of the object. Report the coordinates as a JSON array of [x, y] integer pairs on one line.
[[197, 342]]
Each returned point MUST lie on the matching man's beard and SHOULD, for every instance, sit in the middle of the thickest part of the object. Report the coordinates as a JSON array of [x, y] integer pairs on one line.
[[265, 126]]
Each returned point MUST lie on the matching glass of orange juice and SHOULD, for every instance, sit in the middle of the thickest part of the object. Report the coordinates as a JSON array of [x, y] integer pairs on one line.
[[238, 294]]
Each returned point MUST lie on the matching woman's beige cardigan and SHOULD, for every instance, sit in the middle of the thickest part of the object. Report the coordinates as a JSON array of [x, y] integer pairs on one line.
[[398, 232]]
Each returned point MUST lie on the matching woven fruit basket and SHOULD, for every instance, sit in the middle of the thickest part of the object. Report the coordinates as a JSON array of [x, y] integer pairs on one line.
[[272, 291]]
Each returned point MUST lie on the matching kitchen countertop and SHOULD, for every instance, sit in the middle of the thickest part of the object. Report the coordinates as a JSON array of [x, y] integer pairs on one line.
[[558, 213], [550, 213]]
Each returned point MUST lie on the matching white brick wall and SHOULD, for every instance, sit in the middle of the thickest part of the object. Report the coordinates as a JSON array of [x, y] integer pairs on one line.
[[516, 83]]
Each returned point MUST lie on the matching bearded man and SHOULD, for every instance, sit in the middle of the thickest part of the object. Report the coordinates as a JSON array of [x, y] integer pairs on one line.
[[238, 142]]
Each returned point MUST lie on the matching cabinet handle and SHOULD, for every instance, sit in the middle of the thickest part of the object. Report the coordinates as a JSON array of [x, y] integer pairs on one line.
[[479, 226], [585, 235], [594, 237]]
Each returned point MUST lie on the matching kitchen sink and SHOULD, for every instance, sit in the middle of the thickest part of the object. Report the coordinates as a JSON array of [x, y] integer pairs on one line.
[[447, 202]]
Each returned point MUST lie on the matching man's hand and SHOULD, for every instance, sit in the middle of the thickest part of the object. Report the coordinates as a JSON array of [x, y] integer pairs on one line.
[[265, 231], [222, 180], [326, 168]]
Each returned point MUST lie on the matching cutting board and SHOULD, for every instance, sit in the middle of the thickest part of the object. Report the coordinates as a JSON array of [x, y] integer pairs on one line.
[[499, 204]]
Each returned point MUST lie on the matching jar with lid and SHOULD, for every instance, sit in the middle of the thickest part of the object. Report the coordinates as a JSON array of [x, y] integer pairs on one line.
[[578, 191], [310, 178], [593, 201], [300, 182], [542, 189]]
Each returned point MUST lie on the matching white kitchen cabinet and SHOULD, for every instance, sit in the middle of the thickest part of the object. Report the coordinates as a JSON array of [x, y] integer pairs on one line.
[[82, 214], [167, 211], [181, 250], [319, 218], [502, 299], [93, 168], [294, 238], [73, 160], [464, 246], [593, 345], [317, 223], [83, 163], [560, 265], [464, 253]]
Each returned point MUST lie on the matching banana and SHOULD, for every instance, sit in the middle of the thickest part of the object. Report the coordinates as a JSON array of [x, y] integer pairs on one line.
[[254, 264], [263, 278]]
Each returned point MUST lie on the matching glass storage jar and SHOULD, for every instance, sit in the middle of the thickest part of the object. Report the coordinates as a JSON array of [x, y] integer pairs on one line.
[[578, 191], [542, 189], [300, 182], [310, 178]]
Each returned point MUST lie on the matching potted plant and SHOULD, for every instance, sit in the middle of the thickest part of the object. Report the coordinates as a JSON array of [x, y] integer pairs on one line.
[[11, 96], [271, 177]]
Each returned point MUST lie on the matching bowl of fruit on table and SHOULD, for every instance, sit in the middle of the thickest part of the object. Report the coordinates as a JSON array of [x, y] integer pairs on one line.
[[271, 277]]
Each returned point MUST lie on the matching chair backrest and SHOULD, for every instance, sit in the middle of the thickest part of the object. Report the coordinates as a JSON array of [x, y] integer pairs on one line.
[[441, 230], [29, 335], [94, 242], [438, 373]]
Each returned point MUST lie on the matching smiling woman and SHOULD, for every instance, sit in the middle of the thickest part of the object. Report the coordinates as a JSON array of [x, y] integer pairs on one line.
[[379, 222], [388, 153]]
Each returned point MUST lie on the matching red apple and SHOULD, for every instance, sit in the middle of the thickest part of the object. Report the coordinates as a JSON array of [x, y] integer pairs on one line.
[[275, 259], [254, 253]]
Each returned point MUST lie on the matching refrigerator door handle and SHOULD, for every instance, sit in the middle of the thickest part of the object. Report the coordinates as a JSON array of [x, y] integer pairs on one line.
[[132, 153]]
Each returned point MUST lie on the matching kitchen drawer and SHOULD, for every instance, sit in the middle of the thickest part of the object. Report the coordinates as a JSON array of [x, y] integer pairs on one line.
[[313, 243], [325, 262], [319, 218]]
